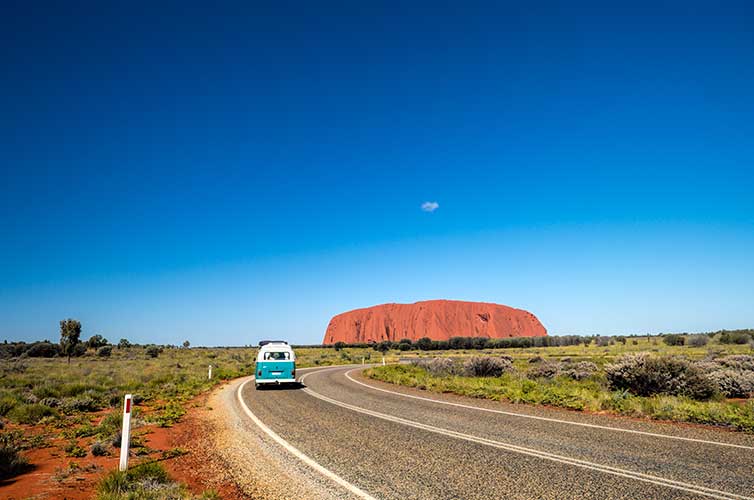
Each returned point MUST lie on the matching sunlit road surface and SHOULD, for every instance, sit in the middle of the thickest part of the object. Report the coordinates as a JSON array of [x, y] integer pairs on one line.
[[374, 440]]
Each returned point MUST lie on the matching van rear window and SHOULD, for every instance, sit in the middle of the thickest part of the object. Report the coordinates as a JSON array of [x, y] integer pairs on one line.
[[277, 356]]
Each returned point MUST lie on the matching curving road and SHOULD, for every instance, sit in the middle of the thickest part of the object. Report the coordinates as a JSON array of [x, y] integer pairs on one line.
[[366, 439]]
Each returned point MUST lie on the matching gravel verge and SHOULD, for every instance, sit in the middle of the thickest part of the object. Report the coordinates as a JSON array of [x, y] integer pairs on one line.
[[258, 465]]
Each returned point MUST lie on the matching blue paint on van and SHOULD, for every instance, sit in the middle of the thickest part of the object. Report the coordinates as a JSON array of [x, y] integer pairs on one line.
[[276, 363]]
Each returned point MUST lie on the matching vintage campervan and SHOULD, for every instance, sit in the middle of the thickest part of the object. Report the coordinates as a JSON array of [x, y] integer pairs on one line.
[[276, 363]]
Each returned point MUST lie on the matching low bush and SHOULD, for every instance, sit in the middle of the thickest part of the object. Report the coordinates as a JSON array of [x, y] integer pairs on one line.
[[7, 403], [580, 370], [12, 463], [487, 366], [148, 481], [673, 339], [438, 367], [50, 401], [153, 351], [85, 404], [43, 350], [30, 413], [100, 450], [544, 370], [170, 415], [697, 340], [734, 337], [646, 375], [737, 362], [105, 351], [72, 449], [733, 383]]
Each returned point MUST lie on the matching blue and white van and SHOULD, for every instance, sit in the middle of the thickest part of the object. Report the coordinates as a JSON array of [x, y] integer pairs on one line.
[[276, 363]]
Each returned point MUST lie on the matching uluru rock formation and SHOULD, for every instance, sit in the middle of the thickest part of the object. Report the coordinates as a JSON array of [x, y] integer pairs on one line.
[[436, 319]]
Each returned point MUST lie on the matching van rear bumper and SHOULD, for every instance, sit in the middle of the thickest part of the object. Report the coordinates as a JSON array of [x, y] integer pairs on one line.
[[275, 380]]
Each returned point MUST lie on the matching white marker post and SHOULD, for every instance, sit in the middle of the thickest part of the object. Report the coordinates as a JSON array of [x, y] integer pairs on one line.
[[383, 360], [362, 361], [125, 437], [209, 374]]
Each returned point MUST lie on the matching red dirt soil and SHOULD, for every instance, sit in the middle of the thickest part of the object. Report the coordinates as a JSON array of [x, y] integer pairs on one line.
[[53, 478], [436, 319]]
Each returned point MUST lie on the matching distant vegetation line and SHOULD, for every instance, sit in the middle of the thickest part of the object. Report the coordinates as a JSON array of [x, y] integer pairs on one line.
[[745, 336], [70, 344]]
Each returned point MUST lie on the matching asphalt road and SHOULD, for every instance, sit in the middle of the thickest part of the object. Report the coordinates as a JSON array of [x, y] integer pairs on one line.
[[366, 439]]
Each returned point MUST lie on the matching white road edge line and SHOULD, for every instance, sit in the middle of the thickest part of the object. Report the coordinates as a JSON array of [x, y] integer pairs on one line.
[[297, 453], [548, 419], [638, 476]]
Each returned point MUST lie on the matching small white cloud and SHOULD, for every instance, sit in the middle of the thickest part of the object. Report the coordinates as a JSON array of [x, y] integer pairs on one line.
[[430, 206]]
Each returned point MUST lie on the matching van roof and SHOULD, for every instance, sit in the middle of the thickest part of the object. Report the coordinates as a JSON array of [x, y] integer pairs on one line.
[[265, 342], [275, 347]]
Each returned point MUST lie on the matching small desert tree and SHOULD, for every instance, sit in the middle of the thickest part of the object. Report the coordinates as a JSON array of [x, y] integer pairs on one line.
[[124, 344], [96, 341], [424, 343], [186, 344], [70, 336]]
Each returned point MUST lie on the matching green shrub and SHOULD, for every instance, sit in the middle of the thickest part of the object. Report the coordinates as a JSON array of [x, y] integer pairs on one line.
[[82, 404], [153, 351], [147, 481], [673, 339], [737, 362], [437, 366], [136, 483], [30, 413], [580, 370], [12, 463], [105, 351], [544, 370], [734, 337], [174, 452], [100, 449], [487, 366], [7, 403], [698, 340], [51, 402], [646, 375], [733, 383], [43, 350], [72, 449], [170, 415], [96, 341]]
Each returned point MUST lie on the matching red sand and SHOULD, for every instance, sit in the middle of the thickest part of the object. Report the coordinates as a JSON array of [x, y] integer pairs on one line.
[[192, 433], [436, 319]]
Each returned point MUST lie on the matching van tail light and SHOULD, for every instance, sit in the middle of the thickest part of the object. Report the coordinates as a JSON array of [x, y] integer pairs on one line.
[[293, 373]]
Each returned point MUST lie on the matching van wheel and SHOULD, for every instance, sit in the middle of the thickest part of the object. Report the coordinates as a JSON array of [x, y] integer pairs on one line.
[[256, 386]]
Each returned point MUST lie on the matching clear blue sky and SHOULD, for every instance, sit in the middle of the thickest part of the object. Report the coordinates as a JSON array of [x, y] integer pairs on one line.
[[224, 173]]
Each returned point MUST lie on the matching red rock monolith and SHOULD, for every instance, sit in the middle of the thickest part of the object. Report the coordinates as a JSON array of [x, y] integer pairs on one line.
[[436, 319]]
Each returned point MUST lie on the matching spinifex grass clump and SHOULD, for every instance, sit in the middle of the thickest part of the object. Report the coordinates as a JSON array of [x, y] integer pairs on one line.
[[148, 481]]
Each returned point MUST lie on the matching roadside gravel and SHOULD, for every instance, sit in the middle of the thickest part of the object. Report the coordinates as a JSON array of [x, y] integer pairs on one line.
[[259, 466]]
